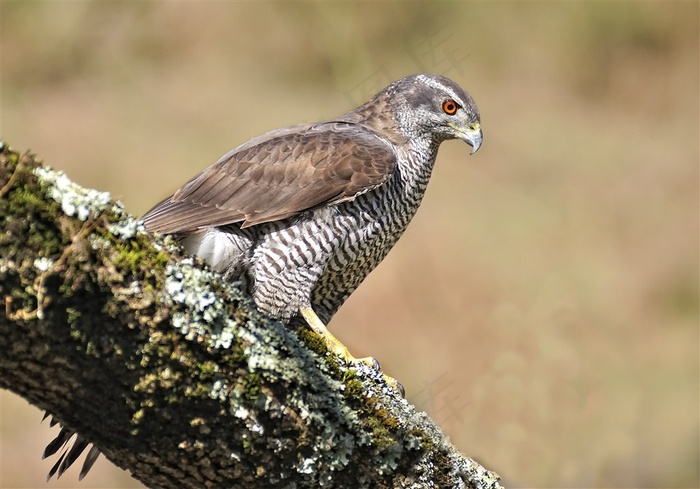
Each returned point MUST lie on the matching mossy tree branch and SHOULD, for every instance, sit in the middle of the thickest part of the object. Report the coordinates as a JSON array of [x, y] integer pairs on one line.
[[171, 372]]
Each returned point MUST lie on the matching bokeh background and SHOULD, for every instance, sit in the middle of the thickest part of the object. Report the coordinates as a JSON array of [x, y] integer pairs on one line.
[[543, 305]]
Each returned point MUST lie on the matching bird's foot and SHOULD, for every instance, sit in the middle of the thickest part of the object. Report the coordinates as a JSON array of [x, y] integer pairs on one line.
[[335, 346], [374, 364], [394, 384], [371, 362]]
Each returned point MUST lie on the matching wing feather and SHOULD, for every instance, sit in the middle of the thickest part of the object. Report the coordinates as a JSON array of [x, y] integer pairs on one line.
[[278, 175]]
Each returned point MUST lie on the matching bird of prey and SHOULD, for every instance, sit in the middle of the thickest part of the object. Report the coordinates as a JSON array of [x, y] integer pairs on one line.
[[301, 215]]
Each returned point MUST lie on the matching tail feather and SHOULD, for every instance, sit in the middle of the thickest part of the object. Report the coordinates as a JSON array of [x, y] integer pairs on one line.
[[90, 459], [69, 452], [57, 443]]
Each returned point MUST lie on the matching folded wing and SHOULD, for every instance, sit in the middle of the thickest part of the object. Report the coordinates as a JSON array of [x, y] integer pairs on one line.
[[278, 175]]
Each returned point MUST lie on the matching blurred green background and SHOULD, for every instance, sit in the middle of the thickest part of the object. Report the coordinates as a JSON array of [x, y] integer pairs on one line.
[[543, 305]]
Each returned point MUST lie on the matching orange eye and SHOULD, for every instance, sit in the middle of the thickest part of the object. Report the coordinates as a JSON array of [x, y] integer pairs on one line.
[[450, 106]]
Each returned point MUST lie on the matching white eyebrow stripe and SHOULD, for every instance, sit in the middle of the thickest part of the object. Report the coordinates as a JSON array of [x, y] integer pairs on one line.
[[431, 82]]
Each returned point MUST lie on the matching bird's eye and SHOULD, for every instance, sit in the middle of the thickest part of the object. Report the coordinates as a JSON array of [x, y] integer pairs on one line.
[[450, 106]]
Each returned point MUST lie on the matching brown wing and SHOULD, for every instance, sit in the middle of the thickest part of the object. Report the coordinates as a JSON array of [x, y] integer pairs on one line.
[[278, 175]]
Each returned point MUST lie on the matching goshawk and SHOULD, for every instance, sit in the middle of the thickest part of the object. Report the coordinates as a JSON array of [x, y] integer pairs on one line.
[[302, 214]]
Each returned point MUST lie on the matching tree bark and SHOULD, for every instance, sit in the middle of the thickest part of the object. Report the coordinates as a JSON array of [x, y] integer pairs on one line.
[[171, 372]]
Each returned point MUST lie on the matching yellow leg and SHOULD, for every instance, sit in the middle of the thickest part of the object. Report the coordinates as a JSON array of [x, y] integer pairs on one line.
[[334, 345]]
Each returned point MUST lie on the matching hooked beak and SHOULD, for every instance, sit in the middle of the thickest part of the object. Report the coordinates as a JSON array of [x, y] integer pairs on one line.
[[472, 136]]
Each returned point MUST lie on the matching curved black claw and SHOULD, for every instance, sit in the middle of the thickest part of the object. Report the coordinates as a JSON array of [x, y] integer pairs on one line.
[[369, 361], [394, 384]]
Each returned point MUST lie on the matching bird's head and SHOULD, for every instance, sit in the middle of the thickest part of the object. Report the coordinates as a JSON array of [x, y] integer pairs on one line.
[[435, 107]]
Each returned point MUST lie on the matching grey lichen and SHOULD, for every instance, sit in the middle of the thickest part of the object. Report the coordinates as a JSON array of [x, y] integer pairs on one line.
[[43, 263], [266, 346], [127, 227], [269, 350], [75, 200], [202, 313], [320, 407]]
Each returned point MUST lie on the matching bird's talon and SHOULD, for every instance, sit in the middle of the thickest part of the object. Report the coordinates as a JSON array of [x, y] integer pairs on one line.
[[370, 362], [373, 362], [394, 384]]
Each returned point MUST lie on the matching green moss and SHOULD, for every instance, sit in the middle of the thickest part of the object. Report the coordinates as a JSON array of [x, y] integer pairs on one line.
[[198, 390], [23, 201], [251, 386], [73, 315], [354, 388], [136, 255], [381, 436], [315, 343], [129, 256], [12, 156], [387, 419], [207, 370], [312, 340], [91, 349]]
